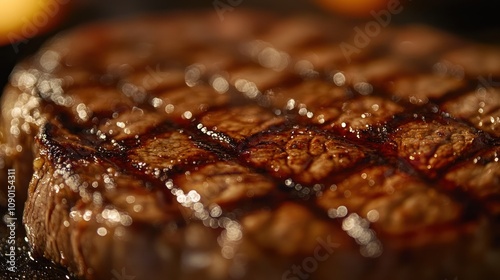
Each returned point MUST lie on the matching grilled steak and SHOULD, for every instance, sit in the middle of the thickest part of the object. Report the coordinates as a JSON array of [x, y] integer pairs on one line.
[[183, 147]]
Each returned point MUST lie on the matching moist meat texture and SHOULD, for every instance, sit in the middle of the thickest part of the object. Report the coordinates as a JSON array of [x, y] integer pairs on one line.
[[185, 147]]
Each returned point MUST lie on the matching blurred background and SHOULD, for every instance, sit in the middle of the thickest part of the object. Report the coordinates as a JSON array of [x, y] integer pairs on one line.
[[477, 20]]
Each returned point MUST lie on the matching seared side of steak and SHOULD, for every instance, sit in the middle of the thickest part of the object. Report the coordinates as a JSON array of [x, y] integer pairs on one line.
[[182, 147]]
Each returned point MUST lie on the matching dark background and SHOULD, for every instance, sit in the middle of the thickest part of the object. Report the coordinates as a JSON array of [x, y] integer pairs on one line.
[[478, 20]]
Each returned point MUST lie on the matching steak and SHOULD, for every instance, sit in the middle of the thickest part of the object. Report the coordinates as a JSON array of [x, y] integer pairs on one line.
[[185, 147]]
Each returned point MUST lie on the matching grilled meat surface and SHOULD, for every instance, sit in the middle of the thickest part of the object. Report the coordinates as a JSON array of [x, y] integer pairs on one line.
[[257, 147]]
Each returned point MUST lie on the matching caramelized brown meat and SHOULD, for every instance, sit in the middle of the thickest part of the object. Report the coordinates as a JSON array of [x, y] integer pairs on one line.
[[181, 147]]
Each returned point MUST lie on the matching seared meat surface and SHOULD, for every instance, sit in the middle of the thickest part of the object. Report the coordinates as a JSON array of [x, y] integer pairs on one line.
[[183, 147]]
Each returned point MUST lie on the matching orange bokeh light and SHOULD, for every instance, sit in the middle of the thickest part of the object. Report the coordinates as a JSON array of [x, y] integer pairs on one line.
[[353, 8], [21, 20]]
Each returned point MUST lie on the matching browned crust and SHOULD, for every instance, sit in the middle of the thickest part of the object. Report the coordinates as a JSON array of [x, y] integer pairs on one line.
[[143, 161]]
